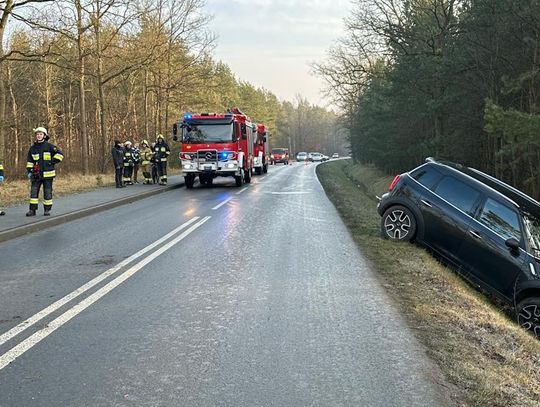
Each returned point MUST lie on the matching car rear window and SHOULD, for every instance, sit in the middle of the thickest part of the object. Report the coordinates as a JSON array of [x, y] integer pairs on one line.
[[457, 193], [427, 176], [501, 219]]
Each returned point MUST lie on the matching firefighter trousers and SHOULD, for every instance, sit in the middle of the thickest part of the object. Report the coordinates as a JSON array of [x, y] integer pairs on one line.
[[162, 171], [147, 173], [47, 193], [128, 172]]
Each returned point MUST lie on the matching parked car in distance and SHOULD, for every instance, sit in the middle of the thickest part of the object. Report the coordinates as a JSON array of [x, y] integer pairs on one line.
[[279, 155], [489, 230], [302, 156], [335, 155], [316, 157]]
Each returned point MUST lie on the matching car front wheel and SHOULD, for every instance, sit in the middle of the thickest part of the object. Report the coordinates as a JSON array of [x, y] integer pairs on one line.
[[398, 223], [528, 315]]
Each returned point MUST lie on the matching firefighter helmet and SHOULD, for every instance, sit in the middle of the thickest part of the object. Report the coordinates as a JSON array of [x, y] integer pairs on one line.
[[160, 136], [128, 142], [42, 130], [145, 142]]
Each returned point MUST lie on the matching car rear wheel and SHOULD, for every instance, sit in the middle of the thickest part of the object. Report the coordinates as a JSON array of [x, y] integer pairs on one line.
[[398, 223], [528, 315]]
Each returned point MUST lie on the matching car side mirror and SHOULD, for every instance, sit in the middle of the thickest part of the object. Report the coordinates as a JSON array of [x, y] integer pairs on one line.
[[513, 245]]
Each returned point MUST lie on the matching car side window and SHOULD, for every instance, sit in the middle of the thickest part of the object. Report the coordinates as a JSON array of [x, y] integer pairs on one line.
[[427, 176], [458, 194], [501, 219]]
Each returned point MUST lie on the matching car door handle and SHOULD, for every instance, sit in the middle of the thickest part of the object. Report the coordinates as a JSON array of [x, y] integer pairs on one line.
[[426, 203], [475, 234]]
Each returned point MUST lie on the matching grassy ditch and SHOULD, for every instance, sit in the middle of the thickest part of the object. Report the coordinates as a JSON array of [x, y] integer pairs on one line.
[[490, 360], [17, 191]]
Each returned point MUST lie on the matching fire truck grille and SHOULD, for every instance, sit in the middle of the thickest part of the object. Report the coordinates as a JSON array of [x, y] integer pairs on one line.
[[207, 155]]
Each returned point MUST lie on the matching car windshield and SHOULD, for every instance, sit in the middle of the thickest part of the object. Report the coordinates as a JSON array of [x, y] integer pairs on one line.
[[208, 133], [532, 231]]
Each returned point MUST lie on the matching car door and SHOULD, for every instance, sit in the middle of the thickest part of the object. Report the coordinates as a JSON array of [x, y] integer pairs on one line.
[[484, 252], [447, 213]]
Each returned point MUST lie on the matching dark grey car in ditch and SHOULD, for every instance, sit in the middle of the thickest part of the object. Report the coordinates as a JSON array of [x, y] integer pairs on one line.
[[489, 230]]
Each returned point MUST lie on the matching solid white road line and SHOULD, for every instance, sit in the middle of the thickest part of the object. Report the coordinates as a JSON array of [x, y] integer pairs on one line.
[[37, 337], [61, 302], [242, 190], [221, 204]]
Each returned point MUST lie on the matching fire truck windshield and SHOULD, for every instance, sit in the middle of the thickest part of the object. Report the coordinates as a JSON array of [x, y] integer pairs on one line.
[[208, 133]]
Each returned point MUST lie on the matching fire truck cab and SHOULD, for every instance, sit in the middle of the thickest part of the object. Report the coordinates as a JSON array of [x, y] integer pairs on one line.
[[260, 149], [215, 145]]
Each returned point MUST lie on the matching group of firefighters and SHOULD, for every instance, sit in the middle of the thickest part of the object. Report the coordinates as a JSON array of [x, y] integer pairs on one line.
[[43, 156], [152, 158]]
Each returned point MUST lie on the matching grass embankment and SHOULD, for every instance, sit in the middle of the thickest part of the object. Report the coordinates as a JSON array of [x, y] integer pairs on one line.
[[478, 347], [18, 191]]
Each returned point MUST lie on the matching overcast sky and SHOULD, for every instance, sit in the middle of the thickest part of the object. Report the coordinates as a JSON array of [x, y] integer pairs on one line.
[[271, 43]]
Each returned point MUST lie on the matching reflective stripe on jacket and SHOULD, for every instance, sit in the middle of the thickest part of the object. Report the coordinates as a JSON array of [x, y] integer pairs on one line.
[[46, 156], [162, 151]]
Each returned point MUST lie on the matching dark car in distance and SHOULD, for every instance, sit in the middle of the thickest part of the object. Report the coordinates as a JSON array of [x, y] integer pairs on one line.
[[489, 230]]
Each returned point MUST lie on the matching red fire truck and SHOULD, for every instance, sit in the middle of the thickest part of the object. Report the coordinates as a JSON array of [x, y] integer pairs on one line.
[[260, 149], [215, 145]]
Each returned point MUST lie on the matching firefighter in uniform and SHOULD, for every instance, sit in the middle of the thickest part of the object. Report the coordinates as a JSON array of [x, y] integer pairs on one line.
[[42, 157], [129, 163], [2, 213], [162, 151], [146, 161]]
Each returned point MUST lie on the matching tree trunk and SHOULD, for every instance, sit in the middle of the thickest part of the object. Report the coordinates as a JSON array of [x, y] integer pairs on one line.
[[15, 111], [145, 91], [82, 103], [7, 8]]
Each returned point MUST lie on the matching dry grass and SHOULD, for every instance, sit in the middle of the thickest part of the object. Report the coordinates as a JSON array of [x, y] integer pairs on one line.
[[16, 192], [477, 345]]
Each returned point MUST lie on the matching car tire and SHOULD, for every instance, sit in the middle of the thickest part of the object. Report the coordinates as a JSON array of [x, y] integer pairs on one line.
[[528, 315], [398, 223]]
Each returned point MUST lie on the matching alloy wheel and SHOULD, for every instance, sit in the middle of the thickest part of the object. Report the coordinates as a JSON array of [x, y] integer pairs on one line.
[[529, 318], [397, 224]]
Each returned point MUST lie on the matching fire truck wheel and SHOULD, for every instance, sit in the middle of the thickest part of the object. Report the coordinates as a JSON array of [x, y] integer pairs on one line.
[[189, 180]]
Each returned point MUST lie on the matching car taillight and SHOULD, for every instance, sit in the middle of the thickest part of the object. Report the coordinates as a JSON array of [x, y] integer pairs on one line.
[[394, 182]]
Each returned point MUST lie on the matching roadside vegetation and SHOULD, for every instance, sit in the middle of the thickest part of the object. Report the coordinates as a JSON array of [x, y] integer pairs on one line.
[[476, 344], [18, 191]]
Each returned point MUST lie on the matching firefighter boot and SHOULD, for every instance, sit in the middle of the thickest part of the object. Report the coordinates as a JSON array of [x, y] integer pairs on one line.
[[31, 212], [47, 212]]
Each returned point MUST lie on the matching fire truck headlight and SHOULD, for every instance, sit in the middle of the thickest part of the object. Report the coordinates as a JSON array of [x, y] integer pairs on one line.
[[230, 165], [187, 166]]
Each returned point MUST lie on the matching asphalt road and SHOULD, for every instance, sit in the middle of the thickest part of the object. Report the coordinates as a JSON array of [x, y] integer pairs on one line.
[[219, 296]]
